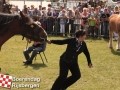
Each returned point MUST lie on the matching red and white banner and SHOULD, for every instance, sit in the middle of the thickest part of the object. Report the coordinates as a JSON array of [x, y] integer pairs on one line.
[[5, 81]]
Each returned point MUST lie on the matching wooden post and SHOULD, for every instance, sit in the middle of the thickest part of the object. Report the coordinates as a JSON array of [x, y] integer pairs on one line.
[[41, 2], [24, 2]]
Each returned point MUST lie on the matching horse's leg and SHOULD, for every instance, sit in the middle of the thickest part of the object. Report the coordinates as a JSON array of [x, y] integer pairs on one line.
[[110, 37], [118, 43]]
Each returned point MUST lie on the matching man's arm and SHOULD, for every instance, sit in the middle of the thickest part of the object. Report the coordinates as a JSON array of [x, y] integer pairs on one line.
[[87, 54], [61, 42]]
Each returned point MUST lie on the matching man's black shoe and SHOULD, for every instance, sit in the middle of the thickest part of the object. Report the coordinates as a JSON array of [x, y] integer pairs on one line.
[[24, 61], [28, 62]]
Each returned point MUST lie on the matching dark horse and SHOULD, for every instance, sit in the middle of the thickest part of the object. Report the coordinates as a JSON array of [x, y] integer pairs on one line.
[[11, 25]]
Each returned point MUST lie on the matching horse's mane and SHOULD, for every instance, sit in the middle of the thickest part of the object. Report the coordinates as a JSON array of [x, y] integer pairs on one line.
[[27, 19], [7, 18]]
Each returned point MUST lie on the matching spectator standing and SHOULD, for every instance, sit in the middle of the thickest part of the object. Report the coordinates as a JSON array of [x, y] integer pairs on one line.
[[104, 25], [70, 21], [85, 16], [25, 10], [40, 10], [97, 17], [56, 22], [50, 21], [92, 23], [16, 10], [36, 13], [77, 20], [62, 16], [43, 19], [31, 11], [67, 23], [40, 7], [92, 11]]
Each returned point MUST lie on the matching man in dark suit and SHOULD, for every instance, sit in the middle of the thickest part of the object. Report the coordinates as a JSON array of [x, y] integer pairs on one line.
[[69, 60]]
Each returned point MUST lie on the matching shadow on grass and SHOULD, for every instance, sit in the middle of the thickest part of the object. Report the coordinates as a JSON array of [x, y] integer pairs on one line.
[[106, 40], [98, 38], [88, 37], [58, 36], [115, 52], [93, 38], [36, 66]]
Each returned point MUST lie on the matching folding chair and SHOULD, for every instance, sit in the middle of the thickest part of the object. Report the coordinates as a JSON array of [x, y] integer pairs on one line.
[[43, 54], [42, 57]]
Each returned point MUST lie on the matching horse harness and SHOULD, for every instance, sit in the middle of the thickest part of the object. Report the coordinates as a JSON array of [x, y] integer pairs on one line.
[[33, 31], [30, 30], [7, 18]]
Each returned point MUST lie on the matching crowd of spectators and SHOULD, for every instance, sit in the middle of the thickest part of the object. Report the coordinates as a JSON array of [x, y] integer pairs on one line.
[[66, 21]]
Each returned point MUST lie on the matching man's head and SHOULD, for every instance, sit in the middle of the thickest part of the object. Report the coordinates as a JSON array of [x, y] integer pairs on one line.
[[80, 35]]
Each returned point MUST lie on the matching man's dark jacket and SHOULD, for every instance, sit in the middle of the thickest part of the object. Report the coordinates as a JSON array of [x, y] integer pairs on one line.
[[73, 49]]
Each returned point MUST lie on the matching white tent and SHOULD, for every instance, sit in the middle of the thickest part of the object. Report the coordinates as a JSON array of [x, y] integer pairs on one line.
[[21, 3]]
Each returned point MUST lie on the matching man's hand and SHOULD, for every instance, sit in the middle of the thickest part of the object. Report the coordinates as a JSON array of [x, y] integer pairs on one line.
[[28, 40], [48, 41], [90, 65]]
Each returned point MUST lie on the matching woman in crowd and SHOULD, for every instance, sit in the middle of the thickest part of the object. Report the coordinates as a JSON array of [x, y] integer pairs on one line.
[[77, 20], [97, 17], [62, 16], [70, 21], [85, 16]]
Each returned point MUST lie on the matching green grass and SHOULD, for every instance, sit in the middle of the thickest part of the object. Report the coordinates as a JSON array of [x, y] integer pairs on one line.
[[105, 75]]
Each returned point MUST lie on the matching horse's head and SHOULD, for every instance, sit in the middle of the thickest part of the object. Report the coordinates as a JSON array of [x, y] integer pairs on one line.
[[32, 30]]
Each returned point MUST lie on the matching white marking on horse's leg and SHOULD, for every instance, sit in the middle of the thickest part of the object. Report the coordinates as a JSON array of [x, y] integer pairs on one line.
[[117, 46], [118, 43]]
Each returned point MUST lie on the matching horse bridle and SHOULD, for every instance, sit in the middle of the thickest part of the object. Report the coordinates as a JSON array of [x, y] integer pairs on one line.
[[33, 32]]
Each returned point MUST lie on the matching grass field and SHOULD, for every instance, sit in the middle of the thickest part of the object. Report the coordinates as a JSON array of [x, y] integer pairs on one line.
[[105, 75]]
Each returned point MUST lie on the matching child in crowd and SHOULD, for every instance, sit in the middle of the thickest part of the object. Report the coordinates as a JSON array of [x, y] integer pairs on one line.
[[92, 23]]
